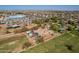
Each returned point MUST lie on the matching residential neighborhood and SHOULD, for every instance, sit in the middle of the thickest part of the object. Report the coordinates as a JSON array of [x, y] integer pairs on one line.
[[37, 31]]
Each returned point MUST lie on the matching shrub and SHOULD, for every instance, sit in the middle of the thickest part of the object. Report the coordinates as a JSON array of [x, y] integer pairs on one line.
[[39, 39], [20, 30], [27, 44]]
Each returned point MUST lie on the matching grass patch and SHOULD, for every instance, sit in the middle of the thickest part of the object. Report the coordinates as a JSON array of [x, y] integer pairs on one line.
[[59, 44]]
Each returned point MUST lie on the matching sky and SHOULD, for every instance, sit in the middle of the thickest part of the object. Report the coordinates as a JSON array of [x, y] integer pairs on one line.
[[39, 7]]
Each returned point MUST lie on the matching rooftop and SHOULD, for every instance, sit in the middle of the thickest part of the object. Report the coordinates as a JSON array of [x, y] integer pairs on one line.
[[16, 16]]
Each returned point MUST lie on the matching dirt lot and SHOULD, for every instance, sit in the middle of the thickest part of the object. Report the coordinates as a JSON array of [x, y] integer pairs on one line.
[[11, 35]]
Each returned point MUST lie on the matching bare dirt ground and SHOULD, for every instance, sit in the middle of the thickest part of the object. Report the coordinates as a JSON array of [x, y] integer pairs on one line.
[[31, 26], [2, 37], [44, 32], [46, 36]]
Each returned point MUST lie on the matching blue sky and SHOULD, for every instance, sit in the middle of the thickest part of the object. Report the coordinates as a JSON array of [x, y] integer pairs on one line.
[[39, 7]]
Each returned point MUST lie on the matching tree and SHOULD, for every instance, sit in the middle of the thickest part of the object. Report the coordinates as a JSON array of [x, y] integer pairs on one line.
[[54, 27], [70, 28], [54, 19]]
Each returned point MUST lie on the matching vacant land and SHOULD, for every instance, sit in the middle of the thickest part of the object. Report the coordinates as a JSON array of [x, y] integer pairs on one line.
[[68, 42], [12, 44]]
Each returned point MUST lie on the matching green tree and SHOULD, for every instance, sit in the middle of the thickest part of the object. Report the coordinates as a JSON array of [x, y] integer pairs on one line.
[[54, 27]]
